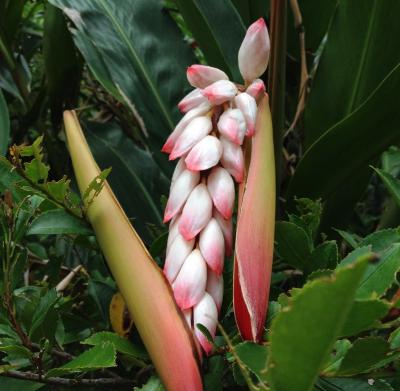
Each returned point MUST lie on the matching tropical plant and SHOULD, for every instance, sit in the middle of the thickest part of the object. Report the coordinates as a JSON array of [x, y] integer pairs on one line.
[[86, 258]]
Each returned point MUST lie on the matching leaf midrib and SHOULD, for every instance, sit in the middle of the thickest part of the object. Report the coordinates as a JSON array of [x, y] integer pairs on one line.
[[139, 63]]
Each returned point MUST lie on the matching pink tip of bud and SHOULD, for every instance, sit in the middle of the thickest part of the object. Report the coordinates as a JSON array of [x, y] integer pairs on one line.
[[220, 92], [192, 100], [222, 191], [232, 159], [256, 89], [201, 76]]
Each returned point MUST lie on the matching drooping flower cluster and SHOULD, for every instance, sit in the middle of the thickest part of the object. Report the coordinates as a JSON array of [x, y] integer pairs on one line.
[[208, 141]]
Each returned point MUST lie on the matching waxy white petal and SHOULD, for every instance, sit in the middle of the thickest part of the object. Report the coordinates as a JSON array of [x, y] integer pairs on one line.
[[196, 130], [191, 100], [253, 53], [179, 193], [222, 191], [232, 159], [220, 92], [201, 76], [205, 313], [215, 287], [196, 212], [179, 168], [227, 230], [178, 252], [248, 105], [205, 154], [190, 283], [173, 231], [212, 246], [180, 127]]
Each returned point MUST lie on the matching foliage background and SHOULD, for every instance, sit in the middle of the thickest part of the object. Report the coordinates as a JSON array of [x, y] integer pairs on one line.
[[333, 321]]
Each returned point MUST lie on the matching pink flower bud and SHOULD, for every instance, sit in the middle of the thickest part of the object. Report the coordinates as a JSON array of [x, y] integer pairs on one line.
[[254, 52], [212, 246], [205, 154], [232, 125], [226, 227], [190, 283], [179, 168], [197, 129], [232, 159], [248, 105], [196, 212], [178, 252], [222, 191], [215, 287], [192, 100], [201, 110], [256, 89], [205, 313], [173, 231], [220, 91], [179, 193], [201, 76]]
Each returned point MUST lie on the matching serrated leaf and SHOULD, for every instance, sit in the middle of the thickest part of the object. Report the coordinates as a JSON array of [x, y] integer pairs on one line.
[[95, 186], [292, 244], [59, 189], [364, 353], [380, 274], [381, 240], [364, 315], [340, 349], [36, 170], [303, 333], [325, 256], [98, 357], [121, 345], [57, 222], [308, 215], [254, 356], [153, 384]]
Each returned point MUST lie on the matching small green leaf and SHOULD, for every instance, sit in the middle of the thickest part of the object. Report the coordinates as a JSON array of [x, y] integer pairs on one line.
[[95, 187], [364, 315], [57, 222], [308, 215], [254, 356], [380, 274], [206, 333], [303, 333], [121, 345], [36, 170], [394, 339], [213, 378], [339, 351], [10, 384], [98, 357], [391, 183], [292, 244], [153, 384], [364, 353], [350, 238], [325, 256], [59, 189]]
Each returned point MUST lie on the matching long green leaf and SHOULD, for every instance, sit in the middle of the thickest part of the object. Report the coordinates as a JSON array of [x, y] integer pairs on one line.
[[143, 51], [360, 51], [218, 29], [4, 125]]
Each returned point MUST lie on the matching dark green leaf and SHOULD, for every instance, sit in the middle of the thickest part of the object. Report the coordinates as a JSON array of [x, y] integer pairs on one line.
[[4, 125], [391, 183], [218, 29], [340, 349], [364, 315], [100, 356], [56, 222], [364, 34], [350, 145], [394, 339], [18, 385], [325, 256], [380, 274], [292, 244], [364, 353], [143, 51], [303, 333], [213, 378], [351, 384], [254, 356], [121, 345], [381, 240]]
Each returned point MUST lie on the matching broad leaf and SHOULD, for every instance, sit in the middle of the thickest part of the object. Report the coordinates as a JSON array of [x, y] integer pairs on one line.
[[218, 29], [100, 356], [58, 221], [303, 333], [352, 384], [254, 356]]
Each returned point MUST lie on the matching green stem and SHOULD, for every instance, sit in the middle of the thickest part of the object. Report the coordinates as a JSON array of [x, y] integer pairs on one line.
[[276, 81]]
